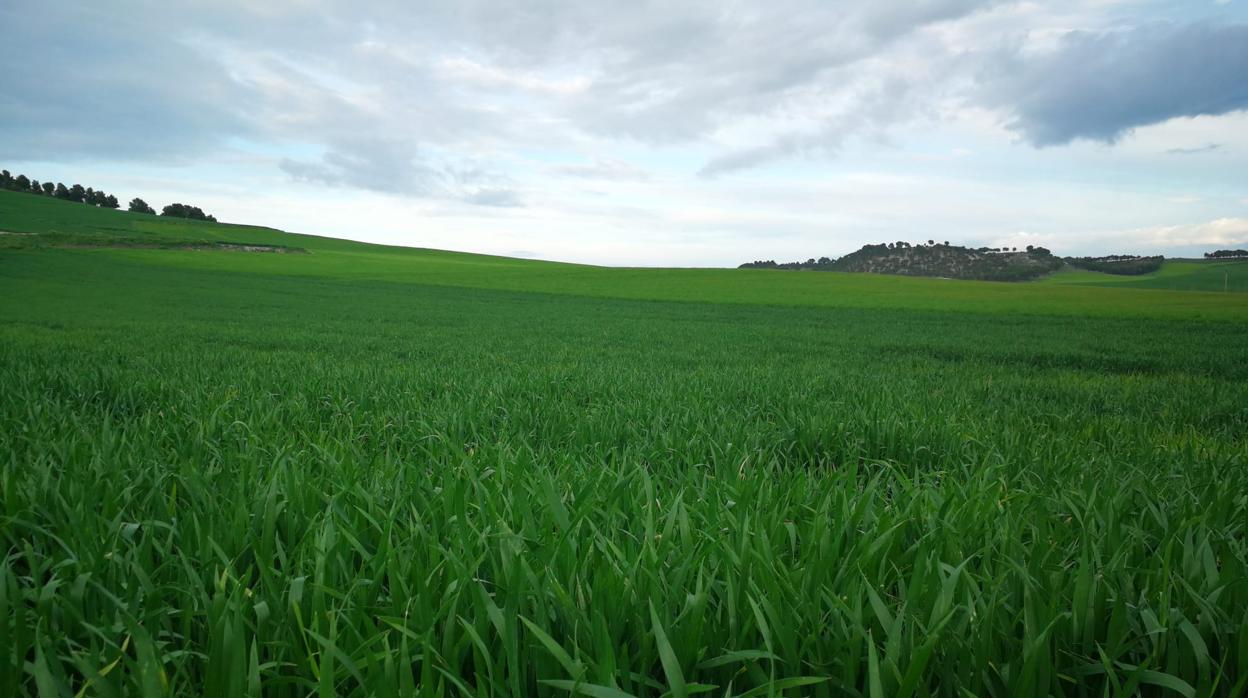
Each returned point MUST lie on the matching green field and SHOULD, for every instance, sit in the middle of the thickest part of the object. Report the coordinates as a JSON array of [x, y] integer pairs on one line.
[[1175, 275], [371, 471]]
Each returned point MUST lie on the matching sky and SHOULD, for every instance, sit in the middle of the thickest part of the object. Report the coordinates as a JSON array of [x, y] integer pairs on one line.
[[650, 133]]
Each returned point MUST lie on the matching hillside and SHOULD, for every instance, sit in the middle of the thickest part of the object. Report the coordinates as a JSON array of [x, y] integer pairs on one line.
[[944, 261], [1215, 276], [949, 261], [938, 260], [330, 258]]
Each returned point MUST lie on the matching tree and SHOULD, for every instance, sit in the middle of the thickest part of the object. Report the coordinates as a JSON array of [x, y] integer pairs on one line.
[[35, 187], [91, 197], [138, 205], [1226, 254], [6, 179], [61, 192], [48, 188], [77, 193], [109, 201], [185, 211], [21, 183]]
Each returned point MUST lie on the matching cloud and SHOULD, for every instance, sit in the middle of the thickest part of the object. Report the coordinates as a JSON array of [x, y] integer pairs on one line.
[[469, 76], [1141, 240], [1100, 85], [872, 110], [1207, 148], [390, 167], [467, 70], [468, 109], [78, 85], [501, 198], [603, 168], [397, 166], [1222, 231]]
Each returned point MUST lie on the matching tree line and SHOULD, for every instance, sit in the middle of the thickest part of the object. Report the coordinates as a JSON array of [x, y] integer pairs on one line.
[[1120, 264], [1227, 254], [932, 259], [886, 249], [95, 197]]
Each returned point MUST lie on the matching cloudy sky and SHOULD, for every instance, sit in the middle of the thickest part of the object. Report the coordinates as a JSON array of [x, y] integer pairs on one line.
[[660, 133]]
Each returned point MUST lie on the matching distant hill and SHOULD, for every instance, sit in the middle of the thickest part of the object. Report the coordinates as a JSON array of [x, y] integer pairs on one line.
[[935, 260], [1119, 264]]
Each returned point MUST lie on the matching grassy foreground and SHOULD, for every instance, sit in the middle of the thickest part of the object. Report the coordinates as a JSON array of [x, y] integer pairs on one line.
[[375, 472]]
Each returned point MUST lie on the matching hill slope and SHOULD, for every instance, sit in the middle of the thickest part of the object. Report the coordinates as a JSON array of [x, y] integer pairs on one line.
[[1175, 274], [331, 258], [948, 261]]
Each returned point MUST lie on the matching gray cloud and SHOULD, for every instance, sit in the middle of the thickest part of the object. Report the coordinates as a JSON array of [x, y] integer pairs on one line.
[[377, 165], [1207, 148], [874, 110], [395, 166], [420, 101], [152, 80], [501, 198], [78, 85], [1098, 86]]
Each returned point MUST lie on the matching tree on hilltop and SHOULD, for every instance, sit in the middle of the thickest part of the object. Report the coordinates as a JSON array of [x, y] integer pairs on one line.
[[194, 213], [1227, 254], [138, 205]]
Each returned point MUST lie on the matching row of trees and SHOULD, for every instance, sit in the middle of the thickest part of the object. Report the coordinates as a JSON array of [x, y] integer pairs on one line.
[[1121, 264], [94, 197], [932, 259], [76, 192], [1227, 254], [821, 264]]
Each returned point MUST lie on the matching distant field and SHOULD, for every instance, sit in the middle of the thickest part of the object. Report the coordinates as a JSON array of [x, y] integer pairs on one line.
[[1175, 275], [339, 259], [369, 471]]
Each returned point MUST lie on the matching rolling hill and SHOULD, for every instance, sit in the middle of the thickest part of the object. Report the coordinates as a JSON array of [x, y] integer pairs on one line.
[[367, 471], [121, 236]]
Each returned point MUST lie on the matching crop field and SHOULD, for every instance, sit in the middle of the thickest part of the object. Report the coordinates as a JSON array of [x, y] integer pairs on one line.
[[1228, 276], [367, 471]]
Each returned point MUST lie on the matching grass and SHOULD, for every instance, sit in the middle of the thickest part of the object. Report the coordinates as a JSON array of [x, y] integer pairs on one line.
[[234, 474], [1175, 274], [340, 259]]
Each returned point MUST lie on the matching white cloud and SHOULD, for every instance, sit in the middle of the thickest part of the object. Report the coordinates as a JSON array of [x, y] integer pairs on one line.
[[577, 130], [1143, 240], [603, 168], [467, 70]]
